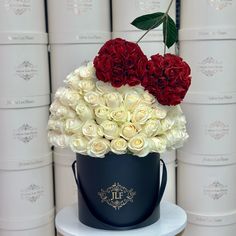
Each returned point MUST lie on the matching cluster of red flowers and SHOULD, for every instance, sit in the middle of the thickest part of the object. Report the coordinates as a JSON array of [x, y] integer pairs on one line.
[[166, 77]]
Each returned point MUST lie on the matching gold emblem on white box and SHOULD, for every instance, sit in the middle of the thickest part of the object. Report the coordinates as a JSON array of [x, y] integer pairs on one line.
[[117, 196]]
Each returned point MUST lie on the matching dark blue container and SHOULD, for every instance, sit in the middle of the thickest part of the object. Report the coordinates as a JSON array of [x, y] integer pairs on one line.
[[119, 192]]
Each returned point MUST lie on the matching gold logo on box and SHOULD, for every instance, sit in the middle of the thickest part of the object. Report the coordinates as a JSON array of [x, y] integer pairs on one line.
[[117, 196]]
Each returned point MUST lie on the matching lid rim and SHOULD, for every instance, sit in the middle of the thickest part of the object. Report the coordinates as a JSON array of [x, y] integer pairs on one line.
[[205, 34], [21, 38]]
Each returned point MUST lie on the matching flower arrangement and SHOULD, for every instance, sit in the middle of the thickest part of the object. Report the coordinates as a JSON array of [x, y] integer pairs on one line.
[[122, 102]]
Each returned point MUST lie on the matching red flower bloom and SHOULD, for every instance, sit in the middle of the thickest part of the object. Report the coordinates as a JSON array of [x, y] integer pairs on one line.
[[120, 62], [168, 79]]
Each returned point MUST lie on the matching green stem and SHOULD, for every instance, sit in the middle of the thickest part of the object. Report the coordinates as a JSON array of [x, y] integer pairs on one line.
[[164, 16], [165, 36]]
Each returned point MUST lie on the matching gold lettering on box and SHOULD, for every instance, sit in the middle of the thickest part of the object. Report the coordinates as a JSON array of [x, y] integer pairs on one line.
[[117, 196]]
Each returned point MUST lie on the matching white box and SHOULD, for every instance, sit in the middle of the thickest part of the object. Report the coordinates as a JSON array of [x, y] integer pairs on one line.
[[45, 230], [24, 70], [66, 191], [67, 57], [124, 12], [213, 66], [206, 190], [26, 199], [81, 17], [169, 158], [23, 135], [207, 13], [24, 15], [211, 129]]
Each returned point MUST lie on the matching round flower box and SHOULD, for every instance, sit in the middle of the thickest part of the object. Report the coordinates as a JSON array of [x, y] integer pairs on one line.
[[119, 191]]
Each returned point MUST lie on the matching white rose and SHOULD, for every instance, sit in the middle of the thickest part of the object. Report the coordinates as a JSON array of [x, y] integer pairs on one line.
[[131, 99], [85, 72], [119, 146], [159, 112], [91, 130], [148, 98], [91, 68], [167, 124], [79, 144], [120, 115], [58, 140], [93, 98], [180, 122], [60, 111], [73, 126], [84, 112], [139, 145], [56, 125], [85, 86], [68, 97], [129, 130], [158, 144], [124, 89], [110, 129], [72, 80], [101, 113], [141, 114], [103, 88], [98, 147], [113, 99], [175, 138], [152, 128], [175, 111]]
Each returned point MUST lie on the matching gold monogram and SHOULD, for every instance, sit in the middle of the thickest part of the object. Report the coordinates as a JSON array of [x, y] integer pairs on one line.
[[117, 196]]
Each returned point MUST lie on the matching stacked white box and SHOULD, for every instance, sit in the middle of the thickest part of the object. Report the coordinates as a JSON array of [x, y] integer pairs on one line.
[[26, 197], [207, 162], [124, 12], [26, 200]]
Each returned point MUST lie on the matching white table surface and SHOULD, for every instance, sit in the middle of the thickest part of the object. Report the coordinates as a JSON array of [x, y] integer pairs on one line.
[[172, 221]]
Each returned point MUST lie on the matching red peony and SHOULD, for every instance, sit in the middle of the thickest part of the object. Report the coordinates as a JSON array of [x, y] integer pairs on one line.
[[120, 62], [168, 79]]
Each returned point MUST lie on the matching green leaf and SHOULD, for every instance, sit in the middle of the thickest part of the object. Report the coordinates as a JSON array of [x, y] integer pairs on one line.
[[170, 31], [149, 21]]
